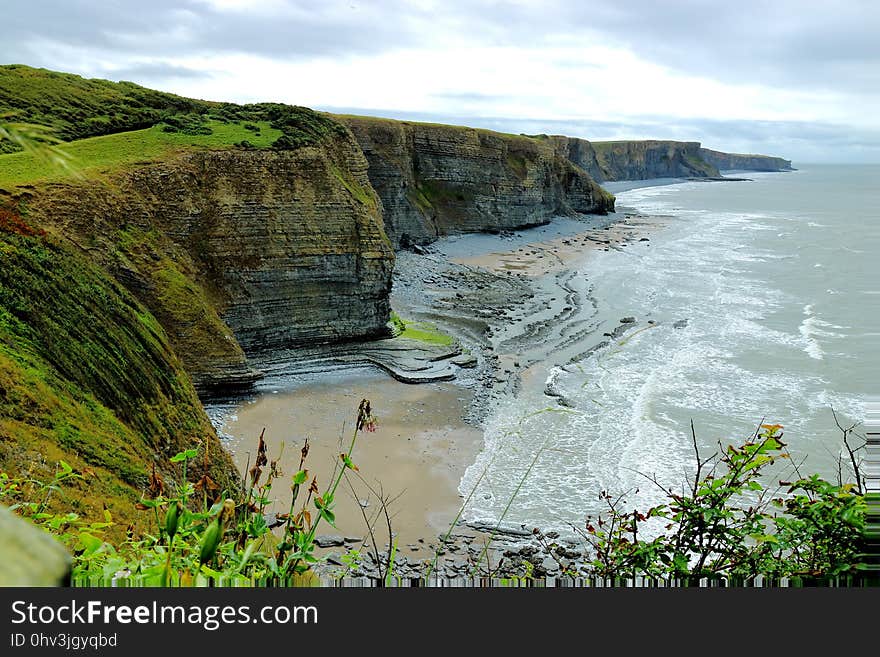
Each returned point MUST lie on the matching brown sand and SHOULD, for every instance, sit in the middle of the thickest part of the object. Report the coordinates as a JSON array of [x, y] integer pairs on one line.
[[542, 258], [419, 450]]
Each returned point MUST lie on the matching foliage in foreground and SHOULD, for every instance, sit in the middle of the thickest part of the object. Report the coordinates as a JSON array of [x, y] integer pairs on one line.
[[727, 522], [202, 534]]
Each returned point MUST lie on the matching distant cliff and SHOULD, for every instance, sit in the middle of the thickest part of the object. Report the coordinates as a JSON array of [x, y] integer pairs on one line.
[[438, 180], [727, 161], [608, 161]]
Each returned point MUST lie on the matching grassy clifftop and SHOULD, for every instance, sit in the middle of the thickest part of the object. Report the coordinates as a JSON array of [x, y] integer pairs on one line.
[[107, 125]]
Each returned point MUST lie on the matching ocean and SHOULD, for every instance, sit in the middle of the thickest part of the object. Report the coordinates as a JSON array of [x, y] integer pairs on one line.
[[765, 298]]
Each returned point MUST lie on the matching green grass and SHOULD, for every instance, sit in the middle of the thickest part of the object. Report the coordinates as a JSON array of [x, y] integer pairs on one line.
[[422, 331], [357, 191], [86, 375], [106, 124], [76, 107], [109, 152], [378, 120]]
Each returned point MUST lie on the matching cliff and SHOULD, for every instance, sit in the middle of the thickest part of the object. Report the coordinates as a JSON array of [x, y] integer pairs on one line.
[[608, 161], [124, 284], [438, 180], [728, 161], [237, 252]]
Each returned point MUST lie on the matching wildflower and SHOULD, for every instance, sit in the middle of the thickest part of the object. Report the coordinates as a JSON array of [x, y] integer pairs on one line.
[[172, 518], [214, 533], [261, 451], [304, 452], [365, 420], [206, 484]]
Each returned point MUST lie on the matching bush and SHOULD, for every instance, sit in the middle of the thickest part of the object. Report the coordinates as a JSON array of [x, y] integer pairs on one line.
[[728, 524], [203, 535]]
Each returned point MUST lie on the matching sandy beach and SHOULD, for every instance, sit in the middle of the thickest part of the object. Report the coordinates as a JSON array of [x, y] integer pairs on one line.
[[514, 301], [416, 455]]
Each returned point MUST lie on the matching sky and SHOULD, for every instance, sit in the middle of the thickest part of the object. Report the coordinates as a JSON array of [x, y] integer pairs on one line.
[[798, 79]]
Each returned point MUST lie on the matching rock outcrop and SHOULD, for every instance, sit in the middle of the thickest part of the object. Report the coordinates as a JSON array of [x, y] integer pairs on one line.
[[236, 251], [438, 180], [730, 161], [608, 161]]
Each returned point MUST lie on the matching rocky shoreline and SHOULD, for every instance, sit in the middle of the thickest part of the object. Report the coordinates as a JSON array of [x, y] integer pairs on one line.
[[523, 309], [515, 306]]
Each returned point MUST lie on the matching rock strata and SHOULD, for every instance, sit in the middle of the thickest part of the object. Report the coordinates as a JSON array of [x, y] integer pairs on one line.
[[239, 252], [439, 180], [731, 161]]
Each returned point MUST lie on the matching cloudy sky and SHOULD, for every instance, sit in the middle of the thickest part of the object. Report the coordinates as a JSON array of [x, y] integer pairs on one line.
[[795, 78]]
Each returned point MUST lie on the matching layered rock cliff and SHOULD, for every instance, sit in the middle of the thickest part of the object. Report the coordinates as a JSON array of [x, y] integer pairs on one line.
[[728, 161], [237, 252], [438, 180], [608, 161]]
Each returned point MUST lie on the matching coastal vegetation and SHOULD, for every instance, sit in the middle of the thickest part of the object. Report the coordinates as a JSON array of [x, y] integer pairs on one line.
[[731, 522], [106, 125], [422, 331], [129, 221], [89, 379]]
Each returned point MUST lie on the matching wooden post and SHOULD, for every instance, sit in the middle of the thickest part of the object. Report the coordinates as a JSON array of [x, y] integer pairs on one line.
[[29, 556]]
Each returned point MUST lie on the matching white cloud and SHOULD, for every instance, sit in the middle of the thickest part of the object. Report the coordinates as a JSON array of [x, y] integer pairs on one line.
[[634, 62]]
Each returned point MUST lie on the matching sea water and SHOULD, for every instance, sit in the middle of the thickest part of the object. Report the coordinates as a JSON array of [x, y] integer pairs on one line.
[[765, 298]]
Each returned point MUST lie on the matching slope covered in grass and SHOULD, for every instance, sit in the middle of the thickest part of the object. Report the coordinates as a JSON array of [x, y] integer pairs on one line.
[[139, 123], [95, 155], [87, 376]]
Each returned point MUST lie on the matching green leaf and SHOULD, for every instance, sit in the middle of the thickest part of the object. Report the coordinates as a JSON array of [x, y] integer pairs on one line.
[[186, 454], [91, 544], [300, 477]]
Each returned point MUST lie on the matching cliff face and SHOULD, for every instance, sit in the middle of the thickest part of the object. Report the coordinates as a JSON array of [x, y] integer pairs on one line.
[[725, 161], [608, 161], [238, 251], [437, 180]]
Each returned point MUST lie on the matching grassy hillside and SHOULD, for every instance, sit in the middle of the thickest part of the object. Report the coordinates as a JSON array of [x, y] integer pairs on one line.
[[87, 375], [76, 107], [95, 155], [133, 124]]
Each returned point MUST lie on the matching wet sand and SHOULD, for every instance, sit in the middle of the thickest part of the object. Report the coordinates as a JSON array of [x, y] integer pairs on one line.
[[417, 454], [423, 446], [558, 253]]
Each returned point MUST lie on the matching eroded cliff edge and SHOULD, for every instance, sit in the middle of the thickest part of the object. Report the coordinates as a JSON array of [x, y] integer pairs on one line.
[[121, 289], [237, 252], [437, 180], [609, 161]]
